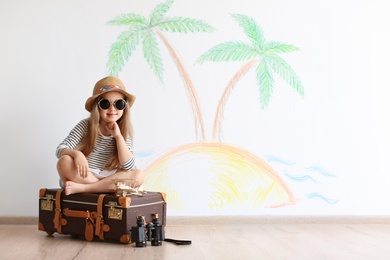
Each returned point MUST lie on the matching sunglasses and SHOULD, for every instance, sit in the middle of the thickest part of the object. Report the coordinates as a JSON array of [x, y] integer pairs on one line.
[[105, 104]]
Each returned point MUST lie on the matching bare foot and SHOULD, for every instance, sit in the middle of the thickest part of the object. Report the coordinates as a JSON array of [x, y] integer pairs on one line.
[[73, 187]]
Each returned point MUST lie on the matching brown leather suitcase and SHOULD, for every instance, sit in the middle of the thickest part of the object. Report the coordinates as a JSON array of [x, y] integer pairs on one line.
[[98, 216]]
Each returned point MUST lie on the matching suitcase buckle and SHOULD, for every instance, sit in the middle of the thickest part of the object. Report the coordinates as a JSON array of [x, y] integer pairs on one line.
[[114, 213], [47, 203]]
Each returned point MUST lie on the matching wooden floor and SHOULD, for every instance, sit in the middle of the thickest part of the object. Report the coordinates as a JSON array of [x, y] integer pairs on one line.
[[212, 241]]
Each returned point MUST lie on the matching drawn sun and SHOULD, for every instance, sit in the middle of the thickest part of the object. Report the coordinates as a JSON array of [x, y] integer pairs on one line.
[[218, 177]]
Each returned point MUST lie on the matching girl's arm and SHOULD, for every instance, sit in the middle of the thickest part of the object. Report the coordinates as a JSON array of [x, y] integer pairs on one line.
[[74, 137], [125, 154], [80, 161], [69, 144]]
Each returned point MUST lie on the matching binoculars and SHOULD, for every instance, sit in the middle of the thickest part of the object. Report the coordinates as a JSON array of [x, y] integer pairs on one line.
[[153, 232]]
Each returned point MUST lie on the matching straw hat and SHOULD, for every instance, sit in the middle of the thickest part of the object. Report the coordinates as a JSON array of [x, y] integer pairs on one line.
[[105, 85]]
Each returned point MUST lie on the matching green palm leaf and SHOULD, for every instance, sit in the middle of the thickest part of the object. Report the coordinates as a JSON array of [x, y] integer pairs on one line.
[[128, 20], [121, 50], [265, 81], [152, 55], [251, 29], [278, 47], [284, 70], [127, 41], [159, 11], [183, 25], [229, 51]]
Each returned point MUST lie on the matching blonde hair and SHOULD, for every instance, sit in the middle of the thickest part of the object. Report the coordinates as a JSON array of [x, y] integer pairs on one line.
[[89, 140]]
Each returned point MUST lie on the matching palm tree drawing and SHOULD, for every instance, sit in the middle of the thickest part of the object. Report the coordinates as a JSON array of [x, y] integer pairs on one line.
[[233, 175], [146, 30], [139, 28], [258, 51]]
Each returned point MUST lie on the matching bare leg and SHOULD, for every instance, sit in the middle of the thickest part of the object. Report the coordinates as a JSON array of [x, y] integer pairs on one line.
[[68, 171], [103, 185]]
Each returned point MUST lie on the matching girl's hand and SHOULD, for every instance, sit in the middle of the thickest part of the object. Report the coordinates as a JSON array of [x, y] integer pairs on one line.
[[81, 164], [113, 128]]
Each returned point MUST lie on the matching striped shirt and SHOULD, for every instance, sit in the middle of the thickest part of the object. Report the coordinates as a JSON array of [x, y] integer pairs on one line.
[[102, 151]]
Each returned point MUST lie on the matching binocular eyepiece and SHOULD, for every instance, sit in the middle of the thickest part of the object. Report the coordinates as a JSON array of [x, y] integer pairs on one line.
[[152, 232]]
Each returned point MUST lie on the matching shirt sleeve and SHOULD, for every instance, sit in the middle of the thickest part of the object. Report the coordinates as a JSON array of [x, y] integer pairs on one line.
[[74, 137], [130, 164]]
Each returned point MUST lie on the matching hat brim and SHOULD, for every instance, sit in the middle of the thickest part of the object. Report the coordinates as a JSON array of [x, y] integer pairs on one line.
[[129, 98]]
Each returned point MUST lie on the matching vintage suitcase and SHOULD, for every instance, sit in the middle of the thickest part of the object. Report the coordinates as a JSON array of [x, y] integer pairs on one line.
[[98, 216]]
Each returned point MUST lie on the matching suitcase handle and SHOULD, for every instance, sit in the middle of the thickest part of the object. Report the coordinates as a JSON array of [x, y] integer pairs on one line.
[[93, 219], [79, 214]]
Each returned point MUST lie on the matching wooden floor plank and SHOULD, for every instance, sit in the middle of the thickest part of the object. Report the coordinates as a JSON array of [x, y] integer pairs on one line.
[[223, 241]]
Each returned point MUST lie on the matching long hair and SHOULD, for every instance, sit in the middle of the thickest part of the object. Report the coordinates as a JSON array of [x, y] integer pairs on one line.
[[89, 140]]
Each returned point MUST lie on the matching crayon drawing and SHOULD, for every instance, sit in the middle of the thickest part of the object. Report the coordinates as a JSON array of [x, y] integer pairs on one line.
[[140, 29], [222, 175]]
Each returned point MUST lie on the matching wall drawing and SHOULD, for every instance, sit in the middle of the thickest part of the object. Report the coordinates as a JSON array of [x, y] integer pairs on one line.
[[228, 176], [140, 29], [264, 54]]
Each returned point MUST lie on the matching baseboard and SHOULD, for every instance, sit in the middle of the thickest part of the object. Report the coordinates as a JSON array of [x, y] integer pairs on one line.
[[261, 220], [239, 220], [18, 221]]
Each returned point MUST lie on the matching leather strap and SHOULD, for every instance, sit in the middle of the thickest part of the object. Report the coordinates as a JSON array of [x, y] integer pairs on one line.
[[178, 242], [57, 215], [88, 229], [99, 230], [77, 213], [89, 220]]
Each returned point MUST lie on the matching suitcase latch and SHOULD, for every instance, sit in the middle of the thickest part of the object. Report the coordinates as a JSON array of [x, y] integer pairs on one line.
[[114, 213], [47, 203]]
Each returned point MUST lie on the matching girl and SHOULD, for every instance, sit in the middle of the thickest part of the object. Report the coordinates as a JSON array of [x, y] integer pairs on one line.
[[100, 146]]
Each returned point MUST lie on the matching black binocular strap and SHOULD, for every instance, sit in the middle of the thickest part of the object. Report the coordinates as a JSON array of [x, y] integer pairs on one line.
[[178, 242]]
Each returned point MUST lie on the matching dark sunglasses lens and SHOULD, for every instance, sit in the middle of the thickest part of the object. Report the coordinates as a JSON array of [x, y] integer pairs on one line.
[[104, 104], [120, 104]]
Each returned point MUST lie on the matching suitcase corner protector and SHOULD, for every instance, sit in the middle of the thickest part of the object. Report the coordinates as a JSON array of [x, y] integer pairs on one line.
[[42, 192], [164, 196]]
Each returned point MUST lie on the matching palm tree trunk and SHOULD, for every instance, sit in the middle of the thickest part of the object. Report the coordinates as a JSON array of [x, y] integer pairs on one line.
[[217, 129], [190, 89]]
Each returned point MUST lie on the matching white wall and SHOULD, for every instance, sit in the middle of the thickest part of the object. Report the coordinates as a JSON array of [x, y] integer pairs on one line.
[[52, 53]]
